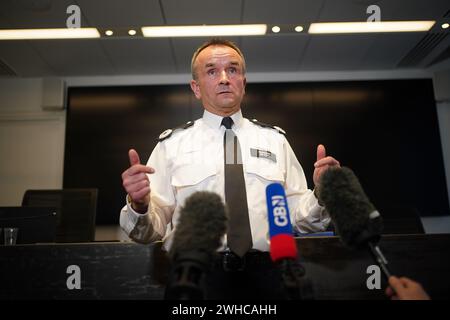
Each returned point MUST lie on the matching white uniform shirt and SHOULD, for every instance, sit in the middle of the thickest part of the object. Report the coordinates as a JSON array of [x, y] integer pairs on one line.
[[192, 160]]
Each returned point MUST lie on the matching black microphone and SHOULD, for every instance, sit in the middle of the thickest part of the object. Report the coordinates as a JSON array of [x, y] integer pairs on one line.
[[283, 248], [197, 237], [355, 218]]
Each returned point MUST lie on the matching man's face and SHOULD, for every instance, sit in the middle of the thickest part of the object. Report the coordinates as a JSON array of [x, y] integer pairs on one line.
[[220, 83]]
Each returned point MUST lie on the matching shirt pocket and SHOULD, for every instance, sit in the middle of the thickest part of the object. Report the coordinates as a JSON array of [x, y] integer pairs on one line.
[[267, 170], [192, 174]]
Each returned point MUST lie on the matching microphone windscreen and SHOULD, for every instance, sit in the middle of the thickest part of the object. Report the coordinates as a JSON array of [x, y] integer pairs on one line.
[[202, 224], [354, 216], [282, 243]]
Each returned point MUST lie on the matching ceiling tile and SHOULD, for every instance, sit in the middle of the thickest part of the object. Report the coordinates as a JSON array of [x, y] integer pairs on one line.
[[195, 12], [120, 13], [23, 59], [283, 11], [331, 52], [388, 49], [419, 10], [75, 57], [140, 56], [34, 14], [356, 10], [273, 53]]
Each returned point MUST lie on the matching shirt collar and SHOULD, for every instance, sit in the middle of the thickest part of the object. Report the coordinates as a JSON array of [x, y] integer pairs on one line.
[[214, 121]]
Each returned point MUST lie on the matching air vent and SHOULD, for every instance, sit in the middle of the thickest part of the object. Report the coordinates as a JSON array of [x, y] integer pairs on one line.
[[414, 57], [444, 55], [6, 70]]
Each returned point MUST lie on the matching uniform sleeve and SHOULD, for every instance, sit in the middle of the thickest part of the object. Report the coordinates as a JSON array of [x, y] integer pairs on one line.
[[151, 226], [307, 215]]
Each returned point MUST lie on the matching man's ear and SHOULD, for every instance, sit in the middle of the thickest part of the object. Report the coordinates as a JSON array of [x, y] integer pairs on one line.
[[196, 89]]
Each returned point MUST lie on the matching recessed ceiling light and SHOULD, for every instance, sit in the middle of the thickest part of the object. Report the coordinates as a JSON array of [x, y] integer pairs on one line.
[[276, 29], [445, 25], [132, 32], [368, 27], [298, 29], [109, 33], [205, 31], [61, 33]]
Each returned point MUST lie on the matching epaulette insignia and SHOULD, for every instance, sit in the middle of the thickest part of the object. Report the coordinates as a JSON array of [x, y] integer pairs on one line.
[[265, 125], [167, 133]]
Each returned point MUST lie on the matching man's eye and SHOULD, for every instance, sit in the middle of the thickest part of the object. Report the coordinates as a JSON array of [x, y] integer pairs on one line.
[[233, 70], [211, 72]]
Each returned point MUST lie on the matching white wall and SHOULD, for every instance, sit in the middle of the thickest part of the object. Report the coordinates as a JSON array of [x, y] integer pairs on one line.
[[31, 141]]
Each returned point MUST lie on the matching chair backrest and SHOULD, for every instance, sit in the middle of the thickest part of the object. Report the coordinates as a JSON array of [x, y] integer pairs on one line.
[[398, 220], [402, 220], [76, 211]]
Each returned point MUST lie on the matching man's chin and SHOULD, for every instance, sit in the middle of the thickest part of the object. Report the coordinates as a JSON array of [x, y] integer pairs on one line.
[[228, 106]]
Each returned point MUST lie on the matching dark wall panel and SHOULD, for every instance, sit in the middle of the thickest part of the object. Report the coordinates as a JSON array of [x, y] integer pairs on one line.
[[104, 123], [386, 131]]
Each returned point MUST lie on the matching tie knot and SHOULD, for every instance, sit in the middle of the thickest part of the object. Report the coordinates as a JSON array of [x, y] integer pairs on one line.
[[227, 122]]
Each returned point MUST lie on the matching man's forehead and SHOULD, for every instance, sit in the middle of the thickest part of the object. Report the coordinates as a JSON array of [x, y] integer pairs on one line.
[[215, 52]]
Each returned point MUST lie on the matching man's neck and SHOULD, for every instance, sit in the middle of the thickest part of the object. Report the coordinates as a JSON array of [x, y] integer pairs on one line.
[[224, 113]]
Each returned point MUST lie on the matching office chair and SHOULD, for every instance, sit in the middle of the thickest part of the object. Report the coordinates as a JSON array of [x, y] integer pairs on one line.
[[401, 220]]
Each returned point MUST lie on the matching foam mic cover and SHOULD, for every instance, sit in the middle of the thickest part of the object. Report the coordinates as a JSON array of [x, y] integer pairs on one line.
[[282, 243], [201, 225], [355, 218]]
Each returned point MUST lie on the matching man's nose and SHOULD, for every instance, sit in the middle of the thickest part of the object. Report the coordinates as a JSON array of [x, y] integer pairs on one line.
[[224, 77]]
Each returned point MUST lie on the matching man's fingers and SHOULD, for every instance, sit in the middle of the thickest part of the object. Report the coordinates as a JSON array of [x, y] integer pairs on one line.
[[407, 281], [389, 291], [321, 153], [136, 170], [137, 186], [134, 157], [326, 161], [139, 168], [129, 180], [396, 284], [140, 194]]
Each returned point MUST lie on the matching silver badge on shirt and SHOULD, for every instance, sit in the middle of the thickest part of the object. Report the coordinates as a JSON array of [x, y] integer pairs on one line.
[[263, 154]]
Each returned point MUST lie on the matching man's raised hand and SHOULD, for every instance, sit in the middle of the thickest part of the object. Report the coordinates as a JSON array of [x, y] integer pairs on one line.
[[323, 163], [136, 182]]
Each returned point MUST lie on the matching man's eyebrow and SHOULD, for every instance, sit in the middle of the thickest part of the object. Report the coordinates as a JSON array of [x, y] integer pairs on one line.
[[212, 64]]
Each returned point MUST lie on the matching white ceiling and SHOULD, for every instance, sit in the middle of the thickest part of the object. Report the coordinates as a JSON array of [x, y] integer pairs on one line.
[[270, 53]]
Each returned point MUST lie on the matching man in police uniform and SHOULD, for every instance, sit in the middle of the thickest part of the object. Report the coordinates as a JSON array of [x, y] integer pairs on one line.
[[190, 158]]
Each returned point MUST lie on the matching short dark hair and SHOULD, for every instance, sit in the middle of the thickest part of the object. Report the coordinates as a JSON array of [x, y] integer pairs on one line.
[[216, 42]]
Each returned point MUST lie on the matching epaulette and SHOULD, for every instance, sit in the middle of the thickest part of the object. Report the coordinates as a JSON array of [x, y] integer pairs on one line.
[[265, 125], [166, 134]]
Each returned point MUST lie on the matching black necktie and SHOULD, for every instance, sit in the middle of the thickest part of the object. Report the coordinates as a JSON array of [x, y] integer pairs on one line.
[[239, 236]]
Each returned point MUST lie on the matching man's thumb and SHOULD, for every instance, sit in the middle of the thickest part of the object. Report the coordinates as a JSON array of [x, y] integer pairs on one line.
[[134, 157], [321, 153]]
